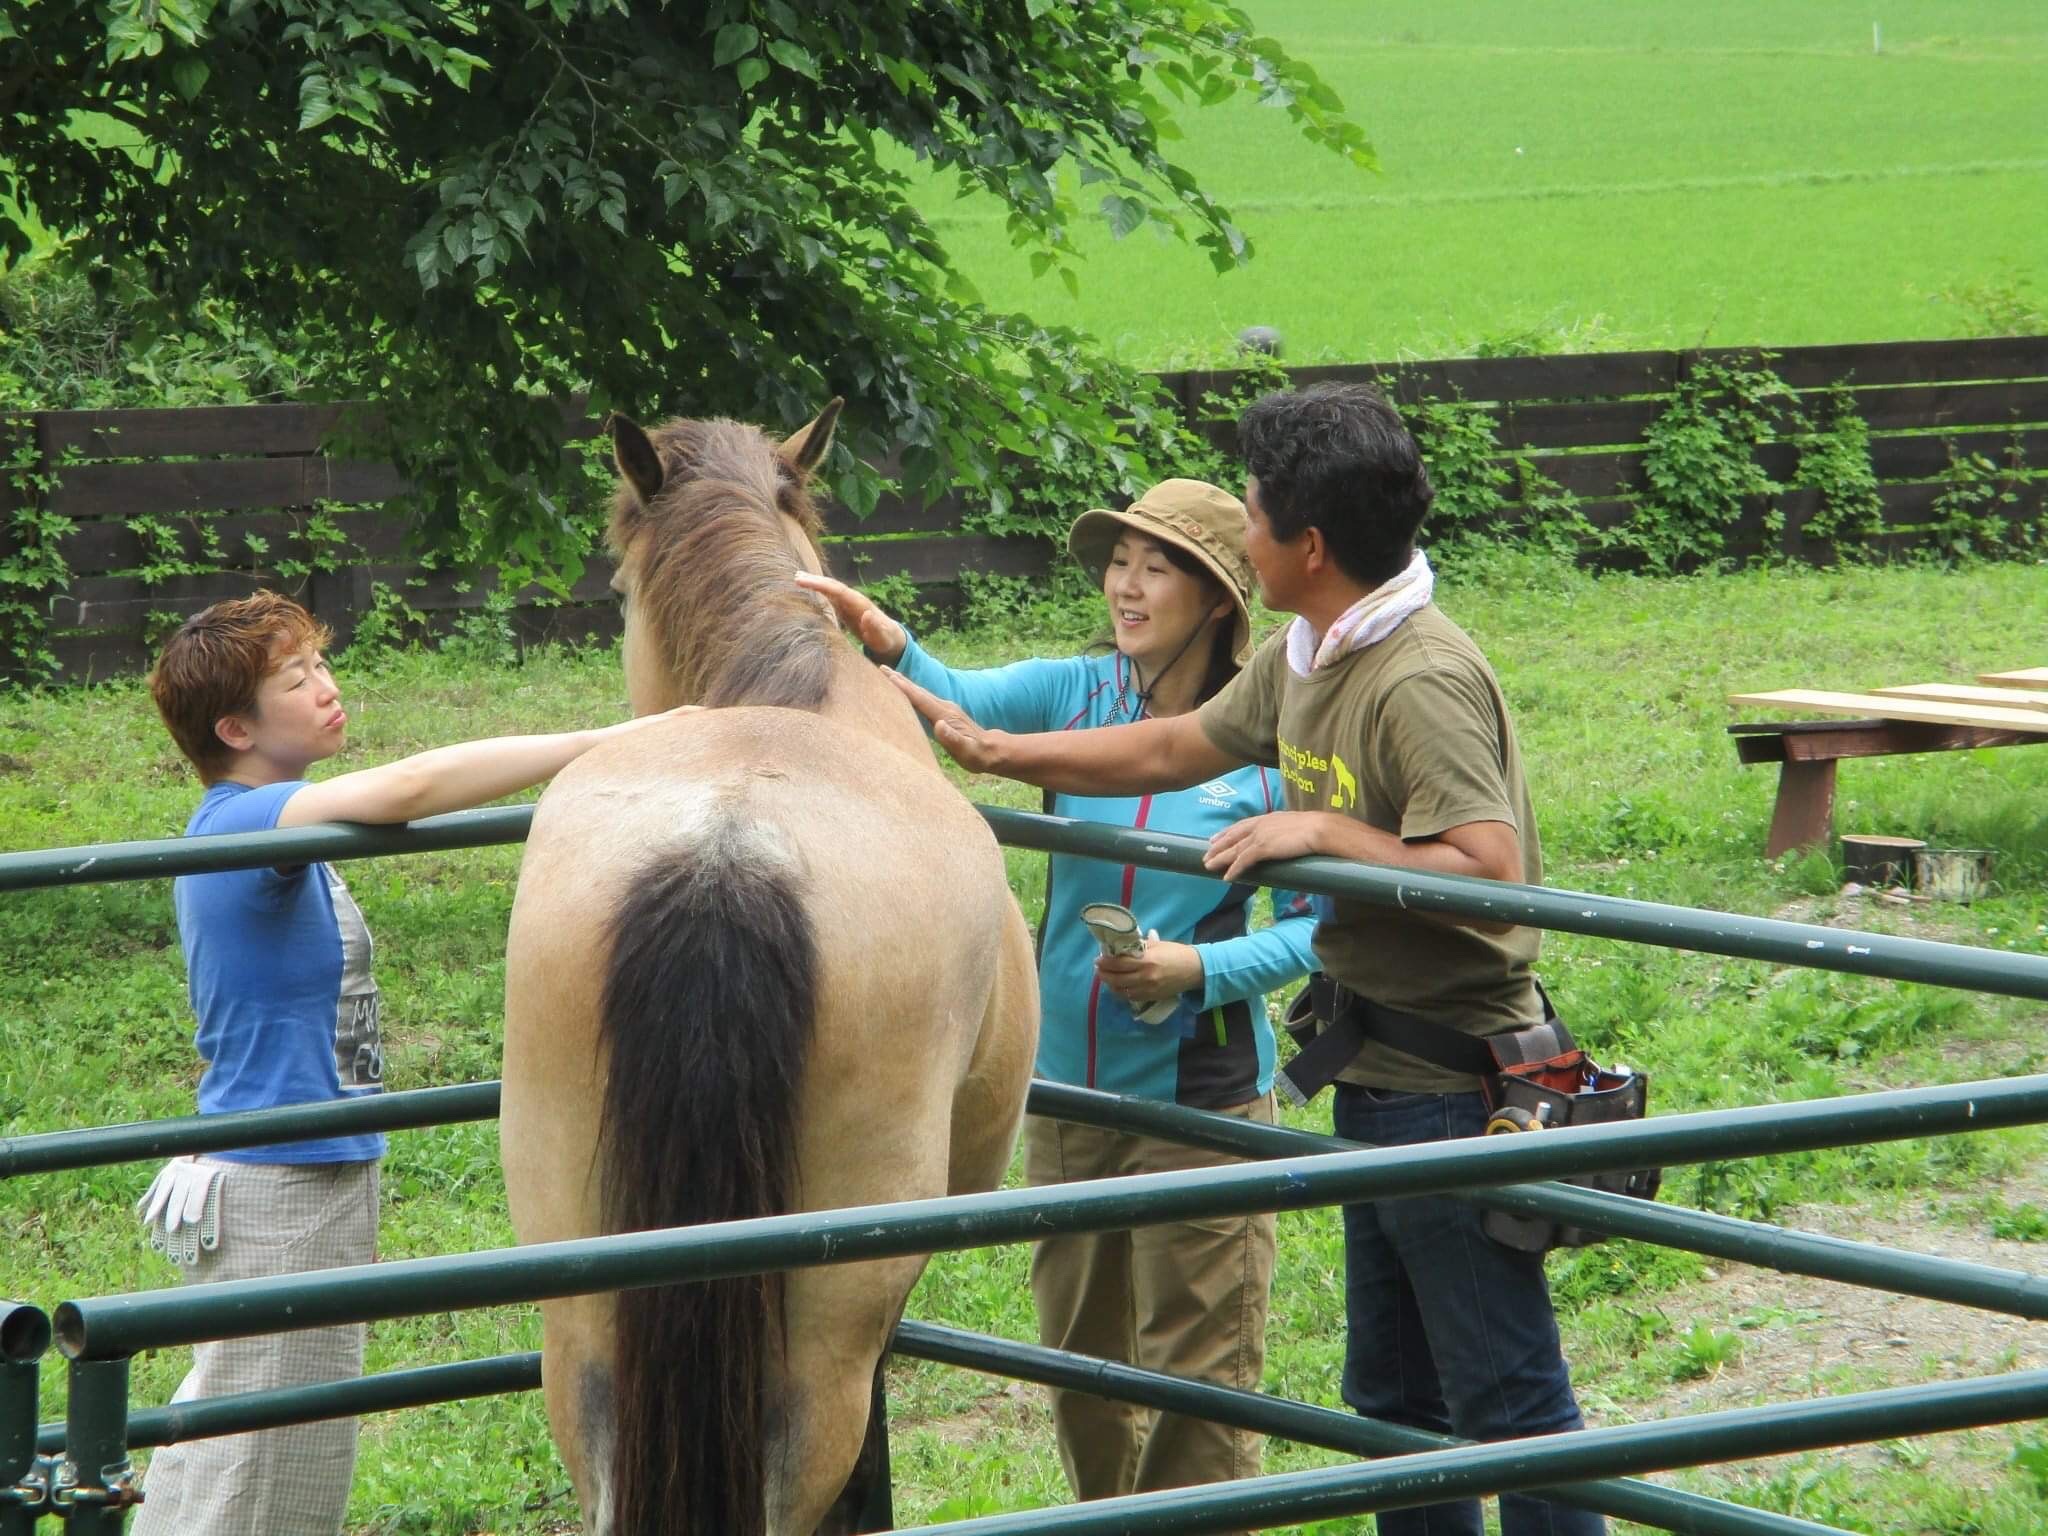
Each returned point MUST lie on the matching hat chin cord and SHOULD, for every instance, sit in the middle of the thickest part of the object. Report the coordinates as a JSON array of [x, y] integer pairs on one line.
[[1145, 689]]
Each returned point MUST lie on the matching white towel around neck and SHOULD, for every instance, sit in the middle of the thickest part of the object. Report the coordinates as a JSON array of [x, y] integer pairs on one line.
[[1366, 622]]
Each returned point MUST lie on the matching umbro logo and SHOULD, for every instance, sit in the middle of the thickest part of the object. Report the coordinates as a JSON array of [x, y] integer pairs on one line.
[[1223, 789]]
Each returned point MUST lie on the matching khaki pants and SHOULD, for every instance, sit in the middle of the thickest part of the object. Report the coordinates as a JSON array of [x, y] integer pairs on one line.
[[275, 1219], [1187, 1298]]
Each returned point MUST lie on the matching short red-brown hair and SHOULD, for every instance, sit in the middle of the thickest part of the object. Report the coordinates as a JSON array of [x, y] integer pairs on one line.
[[212, 665]]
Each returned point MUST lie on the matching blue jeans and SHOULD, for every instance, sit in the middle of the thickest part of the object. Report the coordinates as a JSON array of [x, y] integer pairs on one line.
[[1445, 1329]]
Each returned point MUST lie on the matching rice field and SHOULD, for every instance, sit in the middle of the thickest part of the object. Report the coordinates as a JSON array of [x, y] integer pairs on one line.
[[1573, 176]]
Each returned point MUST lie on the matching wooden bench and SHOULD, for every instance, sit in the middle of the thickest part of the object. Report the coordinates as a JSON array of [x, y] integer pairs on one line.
[[2002, 709]]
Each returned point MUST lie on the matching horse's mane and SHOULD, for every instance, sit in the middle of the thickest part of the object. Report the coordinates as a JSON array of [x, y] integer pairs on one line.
[[713, 568]]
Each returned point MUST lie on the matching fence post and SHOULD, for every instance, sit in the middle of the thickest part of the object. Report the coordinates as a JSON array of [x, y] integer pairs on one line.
[[96, 1483], [24, 1335]]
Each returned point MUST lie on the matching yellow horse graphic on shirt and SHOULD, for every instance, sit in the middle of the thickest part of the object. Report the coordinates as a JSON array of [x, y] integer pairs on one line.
[[1344, 788]]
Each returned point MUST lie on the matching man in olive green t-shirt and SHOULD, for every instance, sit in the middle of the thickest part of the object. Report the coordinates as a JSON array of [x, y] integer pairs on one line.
[[1390, 731]]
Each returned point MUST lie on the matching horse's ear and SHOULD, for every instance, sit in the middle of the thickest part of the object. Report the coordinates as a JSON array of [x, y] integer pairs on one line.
[[635, 456], [804, 449]]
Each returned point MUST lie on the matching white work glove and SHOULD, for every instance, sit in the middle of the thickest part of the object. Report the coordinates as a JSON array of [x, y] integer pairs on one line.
[[181, 1209], [1116, 930]]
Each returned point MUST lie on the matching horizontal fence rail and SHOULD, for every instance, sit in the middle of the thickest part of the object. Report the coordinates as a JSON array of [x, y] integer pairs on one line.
[[1665, 1508], [147, 1140], [115, 1327], [386, 1391], [1615, 917], [244, 495], [1981, 1286], [2011, 1291], [1404, 1482]]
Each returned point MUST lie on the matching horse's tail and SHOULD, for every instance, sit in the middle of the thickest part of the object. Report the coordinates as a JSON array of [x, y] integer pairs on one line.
[[707, 1014]]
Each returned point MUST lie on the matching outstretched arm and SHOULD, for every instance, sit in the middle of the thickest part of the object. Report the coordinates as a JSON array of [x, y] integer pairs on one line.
[[450, 778], [1146, 758]]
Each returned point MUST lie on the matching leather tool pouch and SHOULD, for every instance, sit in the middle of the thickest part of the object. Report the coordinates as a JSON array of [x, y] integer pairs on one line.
[[1534, 1078]]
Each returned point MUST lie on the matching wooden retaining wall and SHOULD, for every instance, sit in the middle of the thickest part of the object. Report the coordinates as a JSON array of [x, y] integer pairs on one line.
[[254, 481]]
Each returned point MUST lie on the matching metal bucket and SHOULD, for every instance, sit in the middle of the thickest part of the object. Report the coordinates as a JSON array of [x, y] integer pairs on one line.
[[1871, 860], [1953, 874]]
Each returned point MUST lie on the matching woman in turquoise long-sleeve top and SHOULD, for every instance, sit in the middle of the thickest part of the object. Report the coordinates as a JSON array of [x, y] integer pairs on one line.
[[1187, 1298]]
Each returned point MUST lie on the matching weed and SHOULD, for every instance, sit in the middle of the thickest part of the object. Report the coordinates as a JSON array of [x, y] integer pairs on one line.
[[1834, 463], [2029, 1461], [1699, 463], [2027, 1223], [1972, 516], [1705, 1351]]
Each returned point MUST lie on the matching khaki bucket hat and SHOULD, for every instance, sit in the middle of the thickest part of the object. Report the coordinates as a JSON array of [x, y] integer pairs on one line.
[[1192, 515]]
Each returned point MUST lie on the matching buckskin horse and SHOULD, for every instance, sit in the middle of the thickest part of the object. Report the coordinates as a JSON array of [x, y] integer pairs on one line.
[[763, 959]]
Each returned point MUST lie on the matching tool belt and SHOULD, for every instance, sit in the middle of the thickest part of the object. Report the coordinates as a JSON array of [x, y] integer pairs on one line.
[[1533, 1078]]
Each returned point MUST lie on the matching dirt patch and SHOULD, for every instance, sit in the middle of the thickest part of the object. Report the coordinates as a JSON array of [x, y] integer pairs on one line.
[[1804, 1338]]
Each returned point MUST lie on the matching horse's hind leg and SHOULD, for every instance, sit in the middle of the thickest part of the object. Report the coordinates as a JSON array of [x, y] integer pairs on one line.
[[576, 1379], [839, 1321], [867, 1503]]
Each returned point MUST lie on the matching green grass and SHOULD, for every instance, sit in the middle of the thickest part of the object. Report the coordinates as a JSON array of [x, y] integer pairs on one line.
[[1580, 176], [1617, 686]]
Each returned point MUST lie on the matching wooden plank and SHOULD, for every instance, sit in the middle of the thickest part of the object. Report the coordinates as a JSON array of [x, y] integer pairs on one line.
[[1824, 702], [939, 559], [133, 490], [1964, 693], [1904, 362], [1926, 455], [1602, 423], [893, 514], [2025, 677], [1994, 404], [1565, 376], [94, 658], [193, 431], [233, 430], [217, 485], [111, 545]]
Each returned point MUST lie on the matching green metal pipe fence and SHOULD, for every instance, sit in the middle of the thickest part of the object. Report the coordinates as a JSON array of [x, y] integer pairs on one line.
[[1431, 1477], [1723, 1237], [94, 1487], [111, 1327], [1614, 917]]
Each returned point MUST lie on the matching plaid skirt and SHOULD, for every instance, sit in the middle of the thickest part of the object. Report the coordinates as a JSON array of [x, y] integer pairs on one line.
[[275, 1219]]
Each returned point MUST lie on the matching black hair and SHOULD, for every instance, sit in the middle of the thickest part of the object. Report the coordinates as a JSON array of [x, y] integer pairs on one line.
[[1222, 651], [1337, 457]]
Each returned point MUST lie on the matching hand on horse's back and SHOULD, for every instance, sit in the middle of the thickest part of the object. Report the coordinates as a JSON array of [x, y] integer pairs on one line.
[[973, 747]]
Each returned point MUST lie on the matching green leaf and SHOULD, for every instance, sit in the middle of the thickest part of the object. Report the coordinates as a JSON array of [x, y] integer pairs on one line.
[[735, 41], [316, 102], [1125, 214], [966, 82], [1071, 283], [790, 56], [189, 75], [751, 72], [1037, 8]]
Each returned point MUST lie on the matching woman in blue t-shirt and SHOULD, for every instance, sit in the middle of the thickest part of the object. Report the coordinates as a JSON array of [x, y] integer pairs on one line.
[[278, 968], [1188, 1297]]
